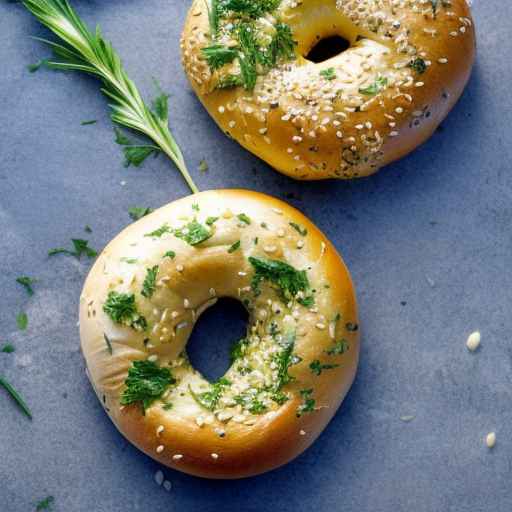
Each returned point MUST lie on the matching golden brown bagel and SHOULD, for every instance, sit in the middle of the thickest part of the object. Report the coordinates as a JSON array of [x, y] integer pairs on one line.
[[346, 117], [302, 345]]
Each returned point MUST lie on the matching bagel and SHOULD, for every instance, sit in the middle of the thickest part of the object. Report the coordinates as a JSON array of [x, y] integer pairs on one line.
[[288, 375], [346, 117]]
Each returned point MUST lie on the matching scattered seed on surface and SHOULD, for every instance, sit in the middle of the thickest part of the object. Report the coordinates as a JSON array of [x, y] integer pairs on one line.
[[473, 341], [490, 440]]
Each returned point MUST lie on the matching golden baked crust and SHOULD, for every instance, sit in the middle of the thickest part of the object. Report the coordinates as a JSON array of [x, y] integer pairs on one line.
[[346, 117], [228, 441]]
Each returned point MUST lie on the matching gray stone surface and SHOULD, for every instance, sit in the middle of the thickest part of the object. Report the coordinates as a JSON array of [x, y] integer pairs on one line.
[[428, 241]]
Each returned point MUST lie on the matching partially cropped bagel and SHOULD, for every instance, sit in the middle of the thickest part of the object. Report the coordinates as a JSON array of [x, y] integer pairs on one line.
[[288, 375], [347, 116]]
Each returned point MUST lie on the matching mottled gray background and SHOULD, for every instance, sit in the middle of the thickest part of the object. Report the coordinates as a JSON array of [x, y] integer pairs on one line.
[[428, 241]]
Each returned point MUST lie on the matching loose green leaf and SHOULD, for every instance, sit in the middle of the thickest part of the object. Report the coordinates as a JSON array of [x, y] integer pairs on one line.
[[88, 229], [137, 212], [317, 367], [288, 280], [301, 230], [15, 396], [162, 230], [87, 51], [308, 403], [170, 254], [328, 74], [121, 309], [134, 154], [27, 283], [234, 247], [242, 217], [338, 348], [203, 166], [86, 123], [45, 504], [211, 220], [8, 349], [217, 55], [380, 83], [149, 284], [80, 247], [193, 233], [22, 321], [146, 382]]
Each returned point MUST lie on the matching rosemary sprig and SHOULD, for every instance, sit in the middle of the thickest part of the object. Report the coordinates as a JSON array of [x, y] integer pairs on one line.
[[83, 50], [15, 396]]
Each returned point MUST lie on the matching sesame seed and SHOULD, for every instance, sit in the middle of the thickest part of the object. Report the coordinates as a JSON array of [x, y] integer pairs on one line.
[[270, 248], [320, 326], [179, 268], [159, 430], [302, 432], [153, 358], [215, 456], [231, 124], [300, 244], [160, 448], [186, 303], [339, 134], [280, 233], [442, 60], [490, 440], [393, 134], [199, 421], [177, 456], [212, 292], [473, 341], [278, 211], [222, 109]]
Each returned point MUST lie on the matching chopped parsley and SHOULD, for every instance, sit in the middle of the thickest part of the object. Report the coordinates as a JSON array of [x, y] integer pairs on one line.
[[108, 343], [146, 382], [195, 207], [302, 231], [250, 402], [238, 349], [162, 230], [8, 348], [317, 367], [170, 254], [193, 233], [308, 403], [45, 504], [121, 308], [307, 302], [15, 396], [149, 284], [167, 407], [86, 123], [338, 348], [80, 247], [27, 283], [130, 261], [217, 55], [289, 280], [351, 327], [209, 399], [211, 220], [380, 83], [418, 65], [284, 359], [134, 154], [87, 228], [234, 247], [328, 74], [242, 217], [203, 165], [137, 212], [22, 321], [279, 397]]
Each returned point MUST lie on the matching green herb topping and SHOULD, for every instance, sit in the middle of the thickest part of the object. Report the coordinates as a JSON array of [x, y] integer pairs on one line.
[[209, 399], [302, 231], [170, 254], [238, 349], [193, 233], [45, 504], [80, 247], [121, 308], [8, 348], [418, 65], [284, 359], [328, 74], [22, 321], [308, 403], [162, 230], [146, 382], [27, 283], [87, 123], [149, 284], [380, 84], [338, 348], [137, 212], [317, 367], [288, 280], [234, 247], [242, 217], [211, 220]]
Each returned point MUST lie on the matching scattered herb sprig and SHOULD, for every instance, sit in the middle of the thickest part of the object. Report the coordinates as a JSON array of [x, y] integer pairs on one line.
[[80, 247], [27, 283], [15, 396]]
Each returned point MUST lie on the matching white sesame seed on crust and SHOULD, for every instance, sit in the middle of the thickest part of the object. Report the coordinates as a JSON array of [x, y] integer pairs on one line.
[[177, 456], [215, 456], [160, 448], [490, 440]]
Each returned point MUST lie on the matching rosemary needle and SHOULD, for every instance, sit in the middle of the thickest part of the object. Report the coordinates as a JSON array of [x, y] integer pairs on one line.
[[16, 396], [87, 51]]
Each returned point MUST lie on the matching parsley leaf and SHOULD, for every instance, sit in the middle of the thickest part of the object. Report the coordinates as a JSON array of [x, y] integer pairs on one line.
[[316, 366], [134, 154], [8, 348], [284, 359], [338, 348], [217, 55], [250, 402], [234, 247], [242, 217], [170, 254], [80, 247], [162, 230], [238, 349], [203, 165], [308, 404], [146, 382], [149, 284], [302, 231], [307, 302], [22, 321], [15, 396], [211, 220], [45, 504], [137, 212], [86, 123], [209, 399], [380, 83], [418, 65], [289, 280], [27, 283], [193, 233], [121, 308], [328, 74]]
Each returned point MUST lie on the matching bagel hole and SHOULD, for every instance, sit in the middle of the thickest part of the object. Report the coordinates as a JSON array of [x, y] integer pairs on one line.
[[327, 48], [214, 333]]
